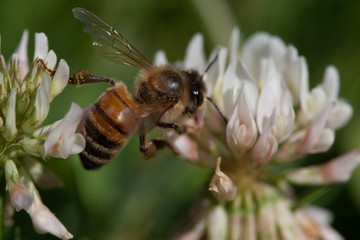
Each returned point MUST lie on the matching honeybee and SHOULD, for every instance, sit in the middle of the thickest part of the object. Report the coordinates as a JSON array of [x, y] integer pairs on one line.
[[163, 96]]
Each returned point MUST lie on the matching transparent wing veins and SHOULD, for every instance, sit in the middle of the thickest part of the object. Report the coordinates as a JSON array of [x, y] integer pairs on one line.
[[109, 43]]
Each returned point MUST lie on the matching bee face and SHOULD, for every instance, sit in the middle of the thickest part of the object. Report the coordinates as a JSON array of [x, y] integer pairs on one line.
[[196, 90]]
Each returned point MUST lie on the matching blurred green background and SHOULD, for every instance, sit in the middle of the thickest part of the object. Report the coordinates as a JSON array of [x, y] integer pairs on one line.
[[136, 199]]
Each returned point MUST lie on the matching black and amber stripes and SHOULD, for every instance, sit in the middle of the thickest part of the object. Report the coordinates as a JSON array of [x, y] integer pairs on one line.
[[108, 127]]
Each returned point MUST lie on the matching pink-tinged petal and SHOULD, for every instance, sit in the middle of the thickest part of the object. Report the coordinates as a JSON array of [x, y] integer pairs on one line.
[[44, 220], [41, 46], [221, 185], [341, 168], [266, 145], [331, 83], [234, 44], [62, 139], [323, 218], [235, 77], [340, 115], [335, 171], [186, 147], [22, 54], [307, 224], [20, 197], [241, 131], [195, 147], [315, 135], [160, 58], [195, 56], [217, 224], [216, 71]]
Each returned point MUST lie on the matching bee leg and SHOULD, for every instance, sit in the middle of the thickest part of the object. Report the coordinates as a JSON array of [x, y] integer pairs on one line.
[[85, 77], [149, 150], [179, 129]]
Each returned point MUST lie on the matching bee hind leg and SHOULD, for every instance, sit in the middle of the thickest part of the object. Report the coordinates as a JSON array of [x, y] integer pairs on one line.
[[85, 77]]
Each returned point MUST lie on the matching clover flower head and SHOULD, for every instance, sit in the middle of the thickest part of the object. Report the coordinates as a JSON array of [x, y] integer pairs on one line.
[[25, 95], [273, 119]]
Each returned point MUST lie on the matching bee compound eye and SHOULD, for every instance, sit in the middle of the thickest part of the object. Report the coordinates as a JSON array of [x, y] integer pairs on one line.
[[197, 95]]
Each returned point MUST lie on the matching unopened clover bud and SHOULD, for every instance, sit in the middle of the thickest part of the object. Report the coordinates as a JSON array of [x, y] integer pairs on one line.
[[221, 185], [241, 131], [40, 112]]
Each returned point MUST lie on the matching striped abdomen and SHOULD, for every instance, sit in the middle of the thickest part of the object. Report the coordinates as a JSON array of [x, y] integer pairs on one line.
[[108, 126]]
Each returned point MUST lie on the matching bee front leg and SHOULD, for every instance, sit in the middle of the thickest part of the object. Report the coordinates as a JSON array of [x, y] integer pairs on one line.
[[179, 129], [149, 149], [85, 77]]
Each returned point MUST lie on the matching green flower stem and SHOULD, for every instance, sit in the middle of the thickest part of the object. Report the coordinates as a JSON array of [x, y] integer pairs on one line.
[[310, 197]]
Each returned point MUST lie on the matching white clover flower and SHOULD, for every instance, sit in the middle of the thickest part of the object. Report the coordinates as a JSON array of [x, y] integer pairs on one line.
[[25, 95], [63, 140], [273, 118]]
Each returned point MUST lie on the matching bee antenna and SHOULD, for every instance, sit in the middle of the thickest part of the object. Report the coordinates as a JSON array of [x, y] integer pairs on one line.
[[217, 109], [210, 64]]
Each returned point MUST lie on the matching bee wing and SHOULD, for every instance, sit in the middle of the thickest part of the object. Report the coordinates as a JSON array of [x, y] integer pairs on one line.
[[146, 116], [109, 42]]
